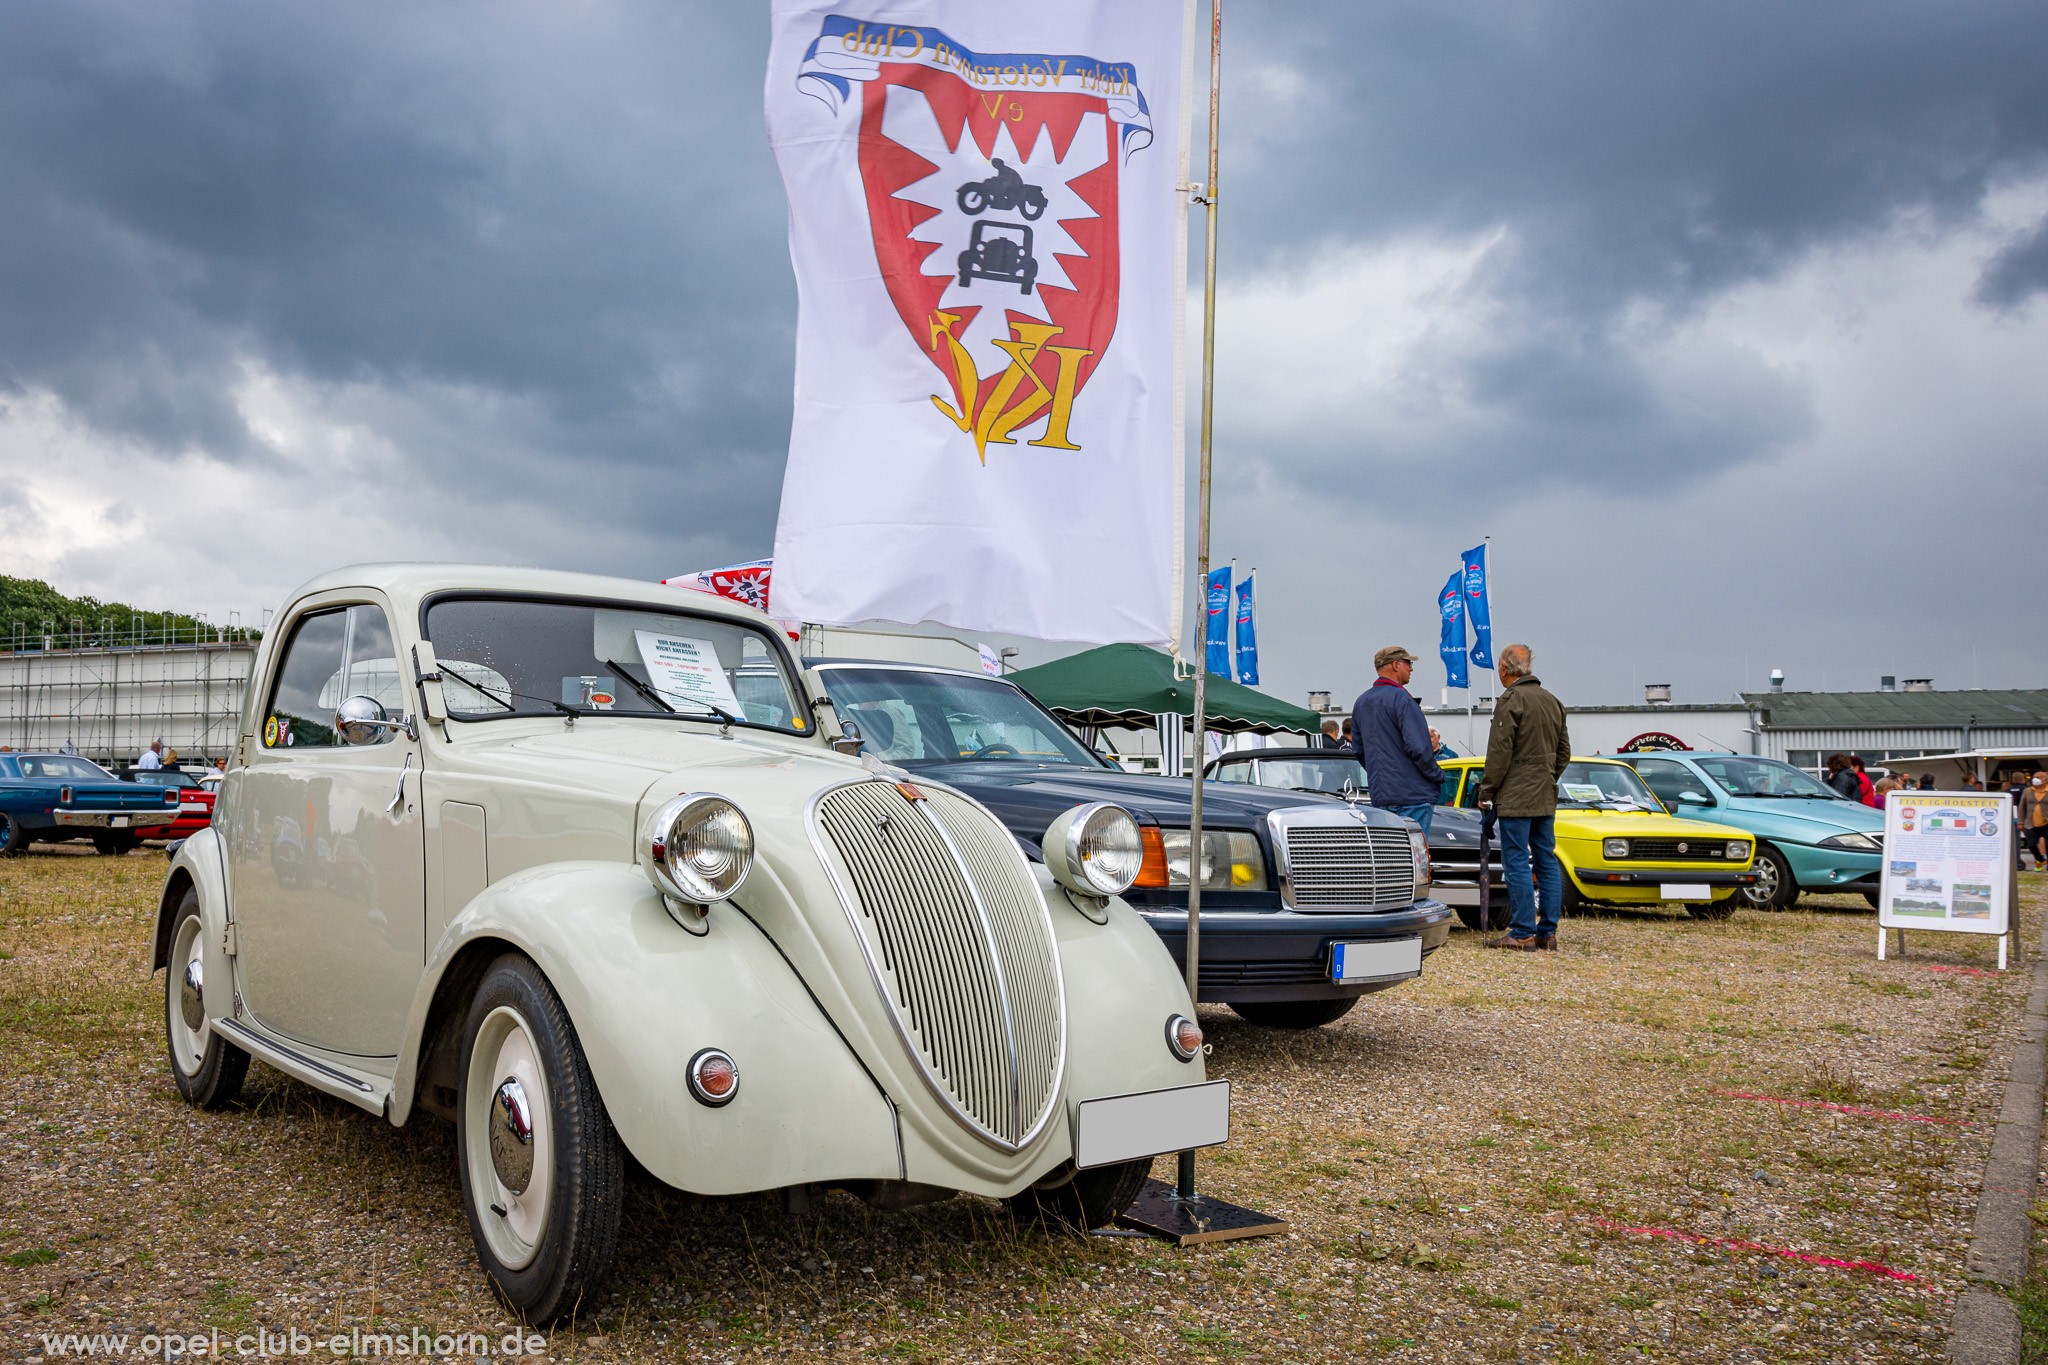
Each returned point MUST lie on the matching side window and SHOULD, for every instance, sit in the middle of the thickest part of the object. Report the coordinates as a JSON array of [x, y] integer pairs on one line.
[[1668, 779], [331, 656], [1447, 791]]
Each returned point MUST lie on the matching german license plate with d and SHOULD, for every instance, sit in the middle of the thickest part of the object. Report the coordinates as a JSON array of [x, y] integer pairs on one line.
[[1351, 963]]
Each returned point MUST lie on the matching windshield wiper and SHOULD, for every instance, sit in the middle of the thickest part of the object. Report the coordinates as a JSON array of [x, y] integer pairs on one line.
[[642, 688], [484, 692]]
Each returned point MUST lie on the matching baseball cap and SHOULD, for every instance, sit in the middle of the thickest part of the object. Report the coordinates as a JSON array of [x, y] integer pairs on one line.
[[1392, 654]]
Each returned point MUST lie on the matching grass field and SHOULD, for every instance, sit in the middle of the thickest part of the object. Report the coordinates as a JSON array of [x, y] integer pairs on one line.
[[1520, 1157]]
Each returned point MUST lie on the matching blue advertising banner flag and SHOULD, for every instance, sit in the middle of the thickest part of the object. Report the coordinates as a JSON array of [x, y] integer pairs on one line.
[[1477, 608], [1247, 635], [1217, 630], [1451, 602]]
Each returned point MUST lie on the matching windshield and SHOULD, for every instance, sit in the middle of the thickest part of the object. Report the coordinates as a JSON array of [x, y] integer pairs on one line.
[[63, 768], [1763, 777], [910, 716], [515, 657], [1335, 774], [1603, 786]]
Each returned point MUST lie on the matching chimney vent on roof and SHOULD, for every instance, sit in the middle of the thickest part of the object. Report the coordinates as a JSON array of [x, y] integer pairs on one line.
[[1919, 685], [1777, 680], [1319, 702], [1887, 683], [1657, 694]]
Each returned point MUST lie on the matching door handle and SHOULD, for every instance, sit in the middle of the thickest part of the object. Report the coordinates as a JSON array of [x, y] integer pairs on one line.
[[398, 797]]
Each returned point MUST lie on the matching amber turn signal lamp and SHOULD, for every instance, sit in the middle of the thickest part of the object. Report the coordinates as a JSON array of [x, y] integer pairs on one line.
[[1152, 871]]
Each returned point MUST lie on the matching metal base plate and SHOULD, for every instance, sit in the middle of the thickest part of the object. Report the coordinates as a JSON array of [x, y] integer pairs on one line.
[[1208, 1219]]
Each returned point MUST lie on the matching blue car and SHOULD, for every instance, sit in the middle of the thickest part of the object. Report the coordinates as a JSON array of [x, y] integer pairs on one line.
[[54, 797], [1808, 837]]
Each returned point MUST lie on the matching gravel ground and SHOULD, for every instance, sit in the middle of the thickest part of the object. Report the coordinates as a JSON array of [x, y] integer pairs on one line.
[[1485, 1165]]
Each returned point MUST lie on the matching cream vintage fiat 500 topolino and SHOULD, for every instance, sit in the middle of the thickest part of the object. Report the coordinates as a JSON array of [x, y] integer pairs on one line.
[[573, 862]]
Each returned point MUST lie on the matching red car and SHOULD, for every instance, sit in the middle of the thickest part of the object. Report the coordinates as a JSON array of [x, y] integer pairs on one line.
[[195, 803]]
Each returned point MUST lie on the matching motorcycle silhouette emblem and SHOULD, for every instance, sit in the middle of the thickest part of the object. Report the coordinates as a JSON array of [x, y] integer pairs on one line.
[[1005, 190]]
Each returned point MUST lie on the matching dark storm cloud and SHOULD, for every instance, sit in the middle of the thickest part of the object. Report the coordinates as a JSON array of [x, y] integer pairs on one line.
[[2018, 272], [570, 209]]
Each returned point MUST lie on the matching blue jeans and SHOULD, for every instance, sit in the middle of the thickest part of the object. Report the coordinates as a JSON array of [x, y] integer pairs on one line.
[[1520, 835], [1419, 814]]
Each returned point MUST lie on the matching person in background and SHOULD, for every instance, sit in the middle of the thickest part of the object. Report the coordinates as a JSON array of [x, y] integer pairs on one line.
[[1392, 741], [1438, 749], [1866, 790], [2033, 819], [1971, 784], [1886, 786], [1332, 736], [1350, 740], [1927, 782], [1526, 752], [1842, 777], [152, 757]]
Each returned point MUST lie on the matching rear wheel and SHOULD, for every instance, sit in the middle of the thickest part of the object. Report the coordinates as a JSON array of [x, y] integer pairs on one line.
[[13, 838], [114, 843], [1294, 1014], [207, 1067], [543, 1173], [1085, 1199], [1774, 887]]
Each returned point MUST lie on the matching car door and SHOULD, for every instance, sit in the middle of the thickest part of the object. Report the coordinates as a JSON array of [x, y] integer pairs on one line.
[[327, 872], [1672, 781]]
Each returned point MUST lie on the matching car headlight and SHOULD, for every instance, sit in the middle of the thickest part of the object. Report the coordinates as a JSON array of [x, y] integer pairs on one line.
[[1419, 848], [1614, 848], [698, 848], [1737, 850], [1231, 861], [1854, 843], [1094, 850]]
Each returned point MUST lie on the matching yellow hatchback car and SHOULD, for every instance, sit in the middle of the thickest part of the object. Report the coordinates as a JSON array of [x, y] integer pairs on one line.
[[1619, 846]]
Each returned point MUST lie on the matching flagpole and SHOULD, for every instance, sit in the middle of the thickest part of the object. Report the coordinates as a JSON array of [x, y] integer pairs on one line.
[[1186, 1184]]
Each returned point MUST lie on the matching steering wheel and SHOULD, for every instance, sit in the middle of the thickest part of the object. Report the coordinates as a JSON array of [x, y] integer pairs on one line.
[[997, 750]]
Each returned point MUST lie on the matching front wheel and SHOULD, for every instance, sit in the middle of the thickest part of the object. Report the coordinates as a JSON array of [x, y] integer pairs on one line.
[[208, 1068], [1294, 1014], [543, 1173], [1774, 887], [1085, 1199], [972, 199]]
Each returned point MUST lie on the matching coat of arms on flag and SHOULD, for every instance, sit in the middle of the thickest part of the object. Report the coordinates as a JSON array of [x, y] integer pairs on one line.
[[990, 181], [987, 220]]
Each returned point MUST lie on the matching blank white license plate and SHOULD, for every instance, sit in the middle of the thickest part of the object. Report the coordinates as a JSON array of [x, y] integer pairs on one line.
[[1686, 891], [1126, 1127], [1352, 962], [119, 822]]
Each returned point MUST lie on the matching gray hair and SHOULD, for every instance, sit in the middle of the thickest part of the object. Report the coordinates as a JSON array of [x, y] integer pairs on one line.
[[1516, 661]]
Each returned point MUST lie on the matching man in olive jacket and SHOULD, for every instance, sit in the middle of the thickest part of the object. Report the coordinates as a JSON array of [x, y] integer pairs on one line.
[[1526, 751]]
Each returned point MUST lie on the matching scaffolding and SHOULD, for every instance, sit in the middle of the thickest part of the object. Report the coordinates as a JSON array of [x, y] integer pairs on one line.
[[106, 688]]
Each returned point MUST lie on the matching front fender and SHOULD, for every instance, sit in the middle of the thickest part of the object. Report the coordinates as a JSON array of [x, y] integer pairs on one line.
[[644, 996], [198, 865]]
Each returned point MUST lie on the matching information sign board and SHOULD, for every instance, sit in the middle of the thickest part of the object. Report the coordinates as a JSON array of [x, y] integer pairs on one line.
[[1948, 860]]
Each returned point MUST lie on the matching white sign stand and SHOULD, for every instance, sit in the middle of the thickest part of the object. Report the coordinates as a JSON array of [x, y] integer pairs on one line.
[[1949, 860]]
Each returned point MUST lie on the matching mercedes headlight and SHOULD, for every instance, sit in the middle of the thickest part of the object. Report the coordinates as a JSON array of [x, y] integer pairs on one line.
[[1854, 843], [1231, 861], [1418, 848], [697, 848], [1094, 850], [1614, 848]]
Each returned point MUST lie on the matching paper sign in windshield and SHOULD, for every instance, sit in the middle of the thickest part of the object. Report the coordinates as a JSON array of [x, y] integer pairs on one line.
[[1584, 792], [685, 672]]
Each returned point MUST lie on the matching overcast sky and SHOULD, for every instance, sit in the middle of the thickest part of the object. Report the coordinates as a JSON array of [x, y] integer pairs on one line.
[[1726, 323]]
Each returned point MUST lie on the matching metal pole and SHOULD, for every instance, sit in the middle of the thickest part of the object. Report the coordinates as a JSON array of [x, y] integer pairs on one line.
[[1186, 1187]]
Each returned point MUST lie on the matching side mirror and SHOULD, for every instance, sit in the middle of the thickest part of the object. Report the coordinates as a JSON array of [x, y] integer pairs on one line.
[[849, 740], [1693, 799], [361, 720]]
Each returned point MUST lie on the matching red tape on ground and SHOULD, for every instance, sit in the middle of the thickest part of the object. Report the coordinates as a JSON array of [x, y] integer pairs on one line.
[[1785, 1253], [1961, 971], [1844, 1109]]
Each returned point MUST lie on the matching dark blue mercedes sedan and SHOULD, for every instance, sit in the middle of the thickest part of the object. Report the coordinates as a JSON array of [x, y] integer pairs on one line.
[[1308, 902]]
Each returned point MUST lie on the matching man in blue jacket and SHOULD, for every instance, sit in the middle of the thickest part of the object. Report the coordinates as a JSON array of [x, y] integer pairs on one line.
[[1393, 741]]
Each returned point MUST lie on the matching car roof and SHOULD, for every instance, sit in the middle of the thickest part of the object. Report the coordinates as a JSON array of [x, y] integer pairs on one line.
[[1303, 752], [410, 583]]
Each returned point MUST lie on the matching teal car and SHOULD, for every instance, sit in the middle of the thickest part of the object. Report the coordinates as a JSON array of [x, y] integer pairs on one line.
[[1808, 838]]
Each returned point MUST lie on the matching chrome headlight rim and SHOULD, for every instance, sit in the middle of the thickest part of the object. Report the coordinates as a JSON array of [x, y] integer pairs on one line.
[[661, 841], [1075, 840]]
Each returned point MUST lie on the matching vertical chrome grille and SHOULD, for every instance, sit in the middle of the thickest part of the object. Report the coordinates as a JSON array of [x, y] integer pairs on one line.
[[961, 946], [1349, 866]]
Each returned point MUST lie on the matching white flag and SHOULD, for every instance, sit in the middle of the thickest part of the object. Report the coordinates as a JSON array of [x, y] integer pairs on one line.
[[989, 240]]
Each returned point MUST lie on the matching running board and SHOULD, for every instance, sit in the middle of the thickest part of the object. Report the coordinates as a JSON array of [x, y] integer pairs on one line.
[[333, 1080]]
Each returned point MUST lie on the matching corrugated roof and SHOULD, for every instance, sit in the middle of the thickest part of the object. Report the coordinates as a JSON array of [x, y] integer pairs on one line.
[[1851, 710]]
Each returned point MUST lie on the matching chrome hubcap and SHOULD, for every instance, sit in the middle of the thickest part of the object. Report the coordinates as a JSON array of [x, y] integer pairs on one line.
[[511, 1127], [192, 996]]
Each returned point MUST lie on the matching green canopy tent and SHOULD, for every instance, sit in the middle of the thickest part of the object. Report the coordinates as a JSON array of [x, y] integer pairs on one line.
[[1133, 685]]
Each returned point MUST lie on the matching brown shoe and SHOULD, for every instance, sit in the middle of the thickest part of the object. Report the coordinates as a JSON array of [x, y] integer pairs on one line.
[[1520, 945], [1546, 943]]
